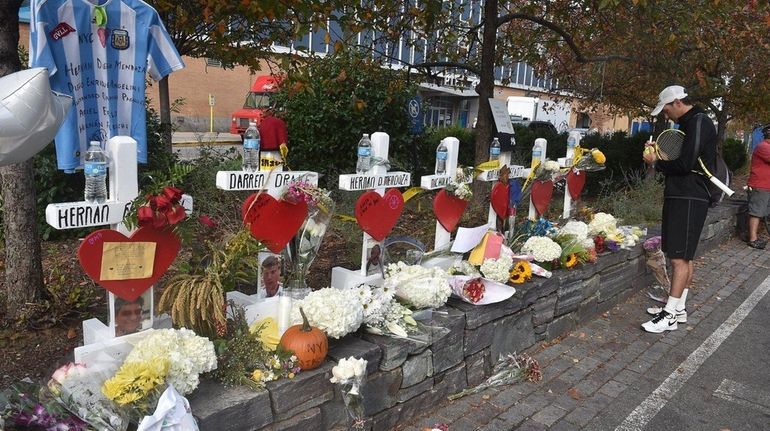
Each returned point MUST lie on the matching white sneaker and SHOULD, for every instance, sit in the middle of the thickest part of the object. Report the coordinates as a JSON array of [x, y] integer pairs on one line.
[[660, 323], [681, 315]]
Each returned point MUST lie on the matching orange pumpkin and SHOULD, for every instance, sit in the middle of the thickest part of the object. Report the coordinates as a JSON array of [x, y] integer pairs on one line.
[[308, 343]]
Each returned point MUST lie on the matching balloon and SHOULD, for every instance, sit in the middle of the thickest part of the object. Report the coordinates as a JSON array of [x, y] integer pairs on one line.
[[30, 114]]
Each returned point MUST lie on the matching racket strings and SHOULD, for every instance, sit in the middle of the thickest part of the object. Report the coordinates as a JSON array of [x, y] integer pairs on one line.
[[669, 145]]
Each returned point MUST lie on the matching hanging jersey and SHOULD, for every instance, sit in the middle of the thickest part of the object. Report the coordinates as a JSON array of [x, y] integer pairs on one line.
[[99, 55]]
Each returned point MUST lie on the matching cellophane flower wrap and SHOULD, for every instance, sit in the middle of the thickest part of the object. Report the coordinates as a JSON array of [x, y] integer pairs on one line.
[[588, 160], [26, 405], [602, 223], [303, 247], [349, 375], [188, 356], [543, 249], [497, 269], [656, 261], [417, 286], [336, 312], [383, 315]]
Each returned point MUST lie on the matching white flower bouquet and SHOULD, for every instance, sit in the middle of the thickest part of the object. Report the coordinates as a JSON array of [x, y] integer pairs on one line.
[[78, 388], [188, 355], [349, 375], [576, 228], [498, 269], [602, 223], [334, 311], [417, 286], [542, 248], [383, 315]]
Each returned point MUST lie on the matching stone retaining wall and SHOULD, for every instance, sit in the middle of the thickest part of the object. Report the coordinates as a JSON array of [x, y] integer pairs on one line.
[[407, 378]]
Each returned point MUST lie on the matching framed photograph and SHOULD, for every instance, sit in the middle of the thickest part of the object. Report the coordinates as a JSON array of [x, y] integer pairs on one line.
[[128, 317], [373, 258], [270, 277]]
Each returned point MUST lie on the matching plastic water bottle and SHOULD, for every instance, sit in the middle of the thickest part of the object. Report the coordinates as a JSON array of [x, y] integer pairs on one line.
[[364, 155], [494, 150], [441, 156], [251, 148], [538, 151], [95, 170], [573, 140]]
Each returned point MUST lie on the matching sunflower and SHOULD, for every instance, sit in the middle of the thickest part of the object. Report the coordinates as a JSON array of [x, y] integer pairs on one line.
[[571, 261], [521, 272], [517, 278]]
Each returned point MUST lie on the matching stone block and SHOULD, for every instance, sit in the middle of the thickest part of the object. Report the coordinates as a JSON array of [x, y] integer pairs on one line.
[[447, 318], [333, 413], [476, 316], [416, 369], [543, 310], [308, 420], [478, 338], [569, 296], [568, 276], [381, 390], [478, 367], [316, 389], [406, 394], [587, 310], [394, 350], [560, 326], [535, 289], [591, 286], [451, 382], [636, 250], [355, 346], [387, 420], [230, 409], [613, 280], [608, 259], [512, 334]]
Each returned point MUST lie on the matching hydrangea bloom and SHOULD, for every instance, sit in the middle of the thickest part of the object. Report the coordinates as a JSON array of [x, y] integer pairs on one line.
[[334, 311], [602, 222], [499, 269], [576, 228], [544, 249], [418, 286]]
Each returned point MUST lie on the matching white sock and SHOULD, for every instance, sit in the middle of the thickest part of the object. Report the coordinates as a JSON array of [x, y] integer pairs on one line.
[[680, 306], [671, 305]]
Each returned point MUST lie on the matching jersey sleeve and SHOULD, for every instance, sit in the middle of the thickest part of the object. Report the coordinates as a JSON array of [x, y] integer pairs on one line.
[[162, 56], [40, 54]]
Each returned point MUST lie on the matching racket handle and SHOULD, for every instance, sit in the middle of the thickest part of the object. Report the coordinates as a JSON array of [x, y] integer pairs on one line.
[[721, 186]]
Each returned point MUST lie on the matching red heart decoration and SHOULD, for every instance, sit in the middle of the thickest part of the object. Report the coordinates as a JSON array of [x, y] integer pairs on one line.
[[378, 214], [541, 195], [499, 199], [448, 209], [273, 222], [166, 249], [576, 180]]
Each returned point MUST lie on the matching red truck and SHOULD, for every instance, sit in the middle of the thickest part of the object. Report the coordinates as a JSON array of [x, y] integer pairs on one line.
[[257, 101]]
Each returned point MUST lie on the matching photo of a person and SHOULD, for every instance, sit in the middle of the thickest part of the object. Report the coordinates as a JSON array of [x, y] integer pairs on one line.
[[129, 317], [373, 260], [270, 277]]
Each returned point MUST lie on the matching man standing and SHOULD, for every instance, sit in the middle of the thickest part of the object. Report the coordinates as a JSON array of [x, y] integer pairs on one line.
[[686, 199], [759, 188]]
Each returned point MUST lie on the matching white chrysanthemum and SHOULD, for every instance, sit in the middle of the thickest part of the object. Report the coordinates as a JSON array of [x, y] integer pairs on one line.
[[337, 312], [602, 222], [418, 286], [498, 270], [187, 353], [551, 166], [544, 249], [576, 228], [588, 243]]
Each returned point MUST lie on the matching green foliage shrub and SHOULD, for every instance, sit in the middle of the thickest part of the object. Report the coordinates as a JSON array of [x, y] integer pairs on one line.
[[330, 102], [424, 158], [734, 154]]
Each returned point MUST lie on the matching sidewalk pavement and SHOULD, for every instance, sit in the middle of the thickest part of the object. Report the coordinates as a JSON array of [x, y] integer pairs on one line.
[[591, 374]]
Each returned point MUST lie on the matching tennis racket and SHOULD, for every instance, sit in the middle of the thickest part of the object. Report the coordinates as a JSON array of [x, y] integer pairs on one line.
[[669, 146]]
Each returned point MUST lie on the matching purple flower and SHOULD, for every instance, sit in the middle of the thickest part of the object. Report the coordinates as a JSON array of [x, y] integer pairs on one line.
[[612, 245], [652, 243]]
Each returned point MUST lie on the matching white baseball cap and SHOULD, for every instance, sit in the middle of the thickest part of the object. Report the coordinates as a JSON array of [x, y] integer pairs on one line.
[[668, 95]]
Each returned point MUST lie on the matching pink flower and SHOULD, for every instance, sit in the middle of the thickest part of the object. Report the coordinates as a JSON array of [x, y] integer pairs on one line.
[[207, 221]]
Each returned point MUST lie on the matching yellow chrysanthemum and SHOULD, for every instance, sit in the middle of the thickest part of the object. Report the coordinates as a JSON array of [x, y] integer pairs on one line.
[[257, 375], [134, 380], [598, 156], [268, 333]]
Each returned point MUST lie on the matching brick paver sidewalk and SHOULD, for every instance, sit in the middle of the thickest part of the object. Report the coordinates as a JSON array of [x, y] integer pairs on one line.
[[587, 370]]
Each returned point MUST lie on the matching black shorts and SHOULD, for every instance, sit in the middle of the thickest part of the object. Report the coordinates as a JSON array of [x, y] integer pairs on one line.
[[682, 224]]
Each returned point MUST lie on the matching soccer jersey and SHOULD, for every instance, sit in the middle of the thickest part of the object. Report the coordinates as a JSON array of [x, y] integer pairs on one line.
[[99, 55]]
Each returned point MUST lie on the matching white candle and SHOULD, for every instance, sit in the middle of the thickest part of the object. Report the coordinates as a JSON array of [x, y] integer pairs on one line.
[[284, 313]]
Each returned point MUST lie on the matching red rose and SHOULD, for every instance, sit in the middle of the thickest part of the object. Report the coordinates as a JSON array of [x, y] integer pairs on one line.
[[145, 215], [161, 203], [173, 194], [175, 215], [159, 221], [207, 221]]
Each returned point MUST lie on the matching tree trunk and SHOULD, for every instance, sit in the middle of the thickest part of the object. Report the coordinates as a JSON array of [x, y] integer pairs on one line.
[[165, 114], [23, 265], [485, 125], [721, 129]]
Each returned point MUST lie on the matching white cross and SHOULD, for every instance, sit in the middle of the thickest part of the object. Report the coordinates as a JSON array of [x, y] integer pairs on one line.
[[374, 179]]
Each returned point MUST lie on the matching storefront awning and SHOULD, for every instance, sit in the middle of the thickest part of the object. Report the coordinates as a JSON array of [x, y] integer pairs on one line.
[[429, 89]]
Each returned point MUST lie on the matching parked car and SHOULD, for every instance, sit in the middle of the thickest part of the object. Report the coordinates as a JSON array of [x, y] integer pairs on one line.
[[539, 127]]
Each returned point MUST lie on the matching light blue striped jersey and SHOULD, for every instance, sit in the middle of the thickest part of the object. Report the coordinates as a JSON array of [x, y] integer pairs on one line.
[[102, 66]]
